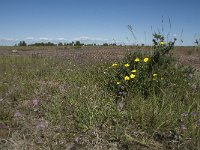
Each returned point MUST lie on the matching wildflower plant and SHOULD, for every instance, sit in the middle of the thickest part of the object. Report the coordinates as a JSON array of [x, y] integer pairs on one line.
[[144, 73]]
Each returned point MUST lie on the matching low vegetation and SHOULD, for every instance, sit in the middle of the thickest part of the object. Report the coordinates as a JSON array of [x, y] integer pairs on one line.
[[146, 101]]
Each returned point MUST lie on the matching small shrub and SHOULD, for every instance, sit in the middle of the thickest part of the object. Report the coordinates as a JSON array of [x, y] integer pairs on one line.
[[142, 72]]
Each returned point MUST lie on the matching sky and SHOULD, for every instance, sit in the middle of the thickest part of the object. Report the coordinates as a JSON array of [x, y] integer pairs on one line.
[[98, 21]]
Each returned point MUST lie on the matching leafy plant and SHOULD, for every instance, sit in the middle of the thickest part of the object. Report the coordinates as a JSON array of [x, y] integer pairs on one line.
[[142, 72]]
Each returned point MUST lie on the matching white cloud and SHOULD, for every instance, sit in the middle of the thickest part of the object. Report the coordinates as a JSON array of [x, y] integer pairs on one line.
[[8, 40], [100, 39], [86, 39], [30, 38], [45, 39], [61, 39], [82, 38]]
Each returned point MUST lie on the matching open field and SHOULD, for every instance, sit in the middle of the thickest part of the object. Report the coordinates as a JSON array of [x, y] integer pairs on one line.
[[54, 98], [186, 55]]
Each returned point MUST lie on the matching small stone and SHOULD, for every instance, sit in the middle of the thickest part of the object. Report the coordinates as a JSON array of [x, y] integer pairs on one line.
[[14, 51]]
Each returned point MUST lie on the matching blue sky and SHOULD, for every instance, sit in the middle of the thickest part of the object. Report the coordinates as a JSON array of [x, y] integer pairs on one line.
[[97, 20]]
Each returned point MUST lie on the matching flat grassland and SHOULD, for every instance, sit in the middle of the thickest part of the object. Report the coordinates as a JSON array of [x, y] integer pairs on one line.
[[54, 98]]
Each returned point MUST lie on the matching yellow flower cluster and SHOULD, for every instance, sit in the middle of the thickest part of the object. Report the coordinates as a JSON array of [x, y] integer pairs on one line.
[[137, 59], [154, 75], [126, 65], [114, 65], [134, 71], [162, 43], [118, 83], [126, 78], [146, 60], [132, 76]]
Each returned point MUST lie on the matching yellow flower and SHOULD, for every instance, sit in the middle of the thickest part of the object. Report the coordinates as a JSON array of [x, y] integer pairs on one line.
[[133, 71], [113, 65], [162, 43], [137, 59], [154, 75], [126, 65], [146, 59], [132, 76], [126, 78], [118, 83]]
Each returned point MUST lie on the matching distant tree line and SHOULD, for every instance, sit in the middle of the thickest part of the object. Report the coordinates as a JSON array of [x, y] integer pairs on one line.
[[76, 43], [42, 44], [112, 44]]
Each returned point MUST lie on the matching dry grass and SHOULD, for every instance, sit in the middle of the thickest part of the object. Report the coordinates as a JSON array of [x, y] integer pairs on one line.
[[52, 98]]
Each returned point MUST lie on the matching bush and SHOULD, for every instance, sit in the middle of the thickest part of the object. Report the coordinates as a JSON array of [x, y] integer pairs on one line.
[[60, 44], [78, 43], [143, 72], [105, 44], [22, 43]]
